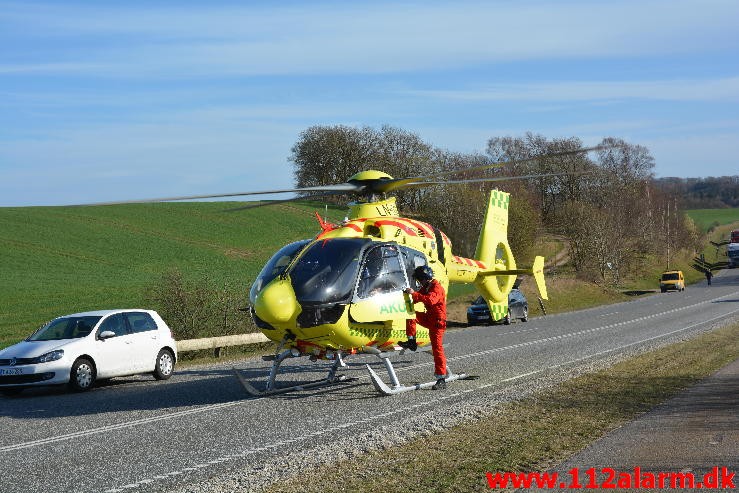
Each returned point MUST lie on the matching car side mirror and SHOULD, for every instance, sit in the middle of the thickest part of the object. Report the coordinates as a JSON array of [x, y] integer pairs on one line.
[[106, 334]]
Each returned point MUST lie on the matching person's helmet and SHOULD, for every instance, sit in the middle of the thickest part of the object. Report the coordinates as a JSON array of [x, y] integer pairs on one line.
[[423, 273]]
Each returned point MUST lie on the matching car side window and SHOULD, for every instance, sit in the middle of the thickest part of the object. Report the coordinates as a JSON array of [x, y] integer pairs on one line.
[[114, 323], [140, 322]]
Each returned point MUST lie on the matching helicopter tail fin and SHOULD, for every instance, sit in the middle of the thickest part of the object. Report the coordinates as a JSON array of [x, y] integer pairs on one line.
[[494, 229], [494, 252]]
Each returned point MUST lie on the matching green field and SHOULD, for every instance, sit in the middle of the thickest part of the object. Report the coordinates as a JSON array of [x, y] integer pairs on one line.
[[707, 218], [59, 260]]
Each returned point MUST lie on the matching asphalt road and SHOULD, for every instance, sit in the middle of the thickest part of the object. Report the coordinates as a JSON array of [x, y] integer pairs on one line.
[[137, 434]]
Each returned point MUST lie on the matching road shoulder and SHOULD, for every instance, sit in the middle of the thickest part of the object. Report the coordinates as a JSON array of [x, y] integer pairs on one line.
[[693, 432]]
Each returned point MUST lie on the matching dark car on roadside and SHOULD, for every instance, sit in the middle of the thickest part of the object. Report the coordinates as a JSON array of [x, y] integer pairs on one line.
[[518, 307]]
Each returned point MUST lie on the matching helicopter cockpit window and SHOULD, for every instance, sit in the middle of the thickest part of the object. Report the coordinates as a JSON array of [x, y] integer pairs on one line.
[[412, 259], [327, 271], [381, 272], [276, 266]]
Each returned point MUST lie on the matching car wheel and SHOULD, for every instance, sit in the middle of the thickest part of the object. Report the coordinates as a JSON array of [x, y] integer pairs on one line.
[[525, 314], [164, 366], [507, 318], [11, 391], [82, 375]]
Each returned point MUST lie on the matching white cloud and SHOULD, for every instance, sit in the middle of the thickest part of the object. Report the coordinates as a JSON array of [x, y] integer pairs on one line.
[[722, 90], [361, 37]]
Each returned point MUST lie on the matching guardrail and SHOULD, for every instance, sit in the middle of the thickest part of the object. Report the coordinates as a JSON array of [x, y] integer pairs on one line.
[[217, 344]]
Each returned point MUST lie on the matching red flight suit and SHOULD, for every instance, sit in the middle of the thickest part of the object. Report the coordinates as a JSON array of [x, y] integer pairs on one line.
[[433, 297]]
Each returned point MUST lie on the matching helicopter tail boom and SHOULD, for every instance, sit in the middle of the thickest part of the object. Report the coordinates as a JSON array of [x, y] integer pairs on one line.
[[536, 270]]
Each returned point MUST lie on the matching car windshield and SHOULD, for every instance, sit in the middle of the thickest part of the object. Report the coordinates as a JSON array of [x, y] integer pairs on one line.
[[276, 266], [670, 276], [327, 271], [65, 328]]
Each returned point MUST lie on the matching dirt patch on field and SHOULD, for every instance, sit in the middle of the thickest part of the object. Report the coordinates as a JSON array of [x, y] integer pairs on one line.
[[237, 253]]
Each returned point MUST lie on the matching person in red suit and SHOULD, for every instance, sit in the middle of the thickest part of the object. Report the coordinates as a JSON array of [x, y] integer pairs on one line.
[[432, 295]]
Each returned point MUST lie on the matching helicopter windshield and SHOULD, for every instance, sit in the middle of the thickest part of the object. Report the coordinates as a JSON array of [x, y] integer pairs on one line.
[[276, 266], [327, 271]]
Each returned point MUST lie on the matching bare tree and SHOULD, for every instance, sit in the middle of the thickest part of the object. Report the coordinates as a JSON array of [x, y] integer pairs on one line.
[[327, 155], [550, 191]]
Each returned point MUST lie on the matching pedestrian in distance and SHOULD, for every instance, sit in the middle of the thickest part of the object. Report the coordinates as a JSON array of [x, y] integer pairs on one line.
[[431, 293], [709, 275]]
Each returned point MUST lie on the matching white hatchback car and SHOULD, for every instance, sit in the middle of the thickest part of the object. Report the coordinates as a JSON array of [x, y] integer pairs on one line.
[[81, 348]]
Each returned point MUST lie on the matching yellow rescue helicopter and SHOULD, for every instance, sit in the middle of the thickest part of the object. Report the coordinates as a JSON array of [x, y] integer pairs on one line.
[[342, 292]]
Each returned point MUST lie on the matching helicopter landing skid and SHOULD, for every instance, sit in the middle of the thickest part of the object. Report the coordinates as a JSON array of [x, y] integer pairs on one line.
[[277, 360], [397, 387]]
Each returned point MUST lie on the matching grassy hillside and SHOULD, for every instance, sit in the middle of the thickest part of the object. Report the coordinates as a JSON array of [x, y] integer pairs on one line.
[[58, 260], [707, 218]]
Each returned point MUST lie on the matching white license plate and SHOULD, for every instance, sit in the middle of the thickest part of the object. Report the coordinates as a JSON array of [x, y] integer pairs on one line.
[[11, 371]]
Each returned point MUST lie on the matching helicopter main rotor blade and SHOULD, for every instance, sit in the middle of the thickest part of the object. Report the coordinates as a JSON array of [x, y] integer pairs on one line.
[[338, 189], [282, 201], [368, 187], [399, 183], [420, 184]]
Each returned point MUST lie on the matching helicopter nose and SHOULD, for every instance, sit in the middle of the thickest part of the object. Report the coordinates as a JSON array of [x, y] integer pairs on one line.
[[276, 303]]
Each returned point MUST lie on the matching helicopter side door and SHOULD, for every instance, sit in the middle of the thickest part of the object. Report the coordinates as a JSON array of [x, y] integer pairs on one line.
[[379, 292]]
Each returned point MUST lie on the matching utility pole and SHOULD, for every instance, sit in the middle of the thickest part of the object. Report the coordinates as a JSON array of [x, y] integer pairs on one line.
[[668, 235]]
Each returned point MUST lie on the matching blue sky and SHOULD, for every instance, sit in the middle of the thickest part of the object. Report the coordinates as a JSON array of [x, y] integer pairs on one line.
[[127, 100]]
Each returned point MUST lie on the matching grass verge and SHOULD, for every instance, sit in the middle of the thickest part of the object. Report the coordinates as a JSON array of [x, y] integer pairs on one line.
[[532, 434]]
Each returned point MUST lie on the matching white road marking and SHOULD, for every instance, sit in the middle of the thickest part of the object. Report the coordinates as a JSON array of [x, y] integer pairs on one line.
[[118, 426]]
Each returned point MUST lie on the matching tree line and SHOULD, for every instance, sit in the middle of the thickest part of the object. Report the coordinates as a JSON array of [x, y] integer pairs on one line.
[[607, 205], [703, 193]]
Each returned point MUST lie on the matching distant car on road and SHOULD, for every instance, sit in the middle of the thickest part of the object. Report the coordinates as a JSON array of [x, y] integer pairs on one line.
[[81, 348], [672, 280], [518, 307]]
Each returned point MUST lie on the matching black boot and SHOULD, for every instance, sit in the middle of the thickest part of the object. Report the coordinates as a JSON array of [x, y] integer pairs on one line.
[[409, 344], [440, 384]]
